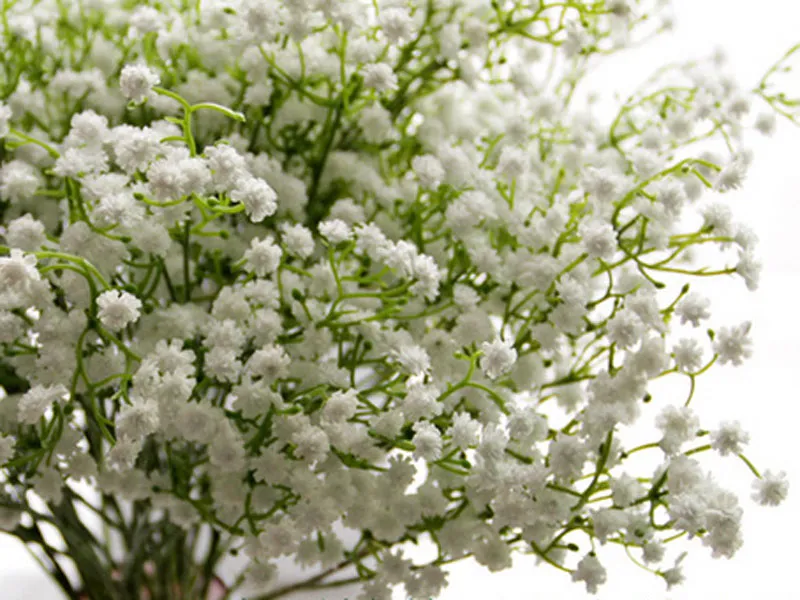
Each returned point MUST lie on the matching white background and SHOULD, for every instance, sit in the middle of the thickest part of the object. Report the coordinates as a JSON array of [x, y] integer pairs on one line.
[[761, 394]]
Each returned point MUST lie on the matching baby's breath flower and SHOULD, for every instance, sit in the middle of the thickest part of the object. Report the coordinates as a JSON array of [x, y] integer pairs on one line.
[[118, 309], [771, 489], [5, 116], [258, 197], [137, 82], [498, 358], [341, 267], [733, 345]]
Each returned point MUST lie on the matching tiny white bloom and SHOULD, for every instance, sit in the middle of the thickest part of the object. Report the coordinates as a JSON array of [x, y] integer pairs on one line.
[[137, 81], [771, 489], [498, 358], [118, 309]]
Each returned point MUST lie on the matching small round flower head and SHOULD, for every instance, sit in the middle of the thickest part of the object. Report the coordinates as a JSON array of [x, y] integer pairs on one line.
[[413, 359], [297, 239], [498, 358], [427, 441], [766, 122], [380, 77], [719, 217], [376, 123], [26, 233], [729, 438], [17, 271], [5, 118], [341, 406], [625, 328], [679, 425], [732, 176], [258, 197], [465, 431], [428, 170], [733, 344], [673, 576], [138, 420], [653, 552], [693, 308], [771, 489], [688, 354], [602, 183], [567, 457], [335, 231], [749, 268], [513, 162], [37, 400], [6, 449], [591, 572], [599, 239], [118, 309], [396, 24], [263, 257], [626, 490], [137, 82]]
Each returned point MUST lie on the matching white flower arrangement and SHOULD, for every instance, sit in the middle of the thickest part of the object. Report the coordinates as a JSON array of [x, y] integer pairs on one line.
[[277, 273]]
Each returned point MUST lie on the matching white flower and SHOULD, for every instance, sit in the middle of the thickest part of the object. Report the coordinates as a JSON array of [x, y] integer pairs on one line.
[[6, 449], [719, 217], [335, 231], [118, 309], [567, 457], [426, 272], [733, 344], [297, 239], [35, 402], [732, 176], [693, 308], [137, 420], [679, 425], [625, 329], [341, 406], [625, 490], [465, 431], [263, 257], [513, 162], [688, 354], [228, 167], [765, 122], [498, 358], [602, 183], [730, 438], [599, 239], [137, 81], [376, 123], [396, 24], [591, 572], [18, 271], [652, 358], [259, 199], [380, 77], [311, 443], [771, 489], [673, 576], [270, 362], [428, 170], [427, 441], [5, 117], [414, 359], [749, 267], [653, 552]]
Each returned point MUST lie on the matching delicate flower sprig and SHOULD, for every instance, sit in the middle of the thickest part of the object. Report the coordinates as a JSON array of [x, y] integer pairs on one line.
[[277, 272]]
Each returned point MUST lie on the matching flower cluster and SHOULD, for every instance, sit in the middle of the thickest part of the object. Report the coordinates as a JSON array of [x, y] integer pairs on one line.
[[283, 272]]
